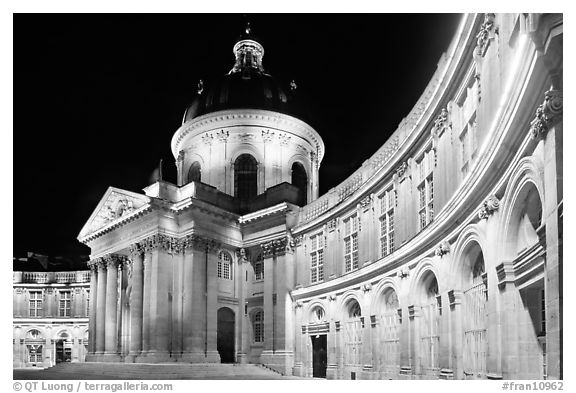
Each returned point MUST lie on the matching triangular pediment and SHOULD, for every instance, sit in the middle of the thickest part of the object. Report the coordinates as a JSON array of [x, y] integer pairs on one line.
[[116, 205]]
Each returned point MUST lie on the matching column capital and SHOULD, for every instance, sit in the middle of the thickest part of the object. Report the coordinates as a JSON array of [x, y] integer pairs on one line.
[[114, 260], [278, 247], [199, 243]]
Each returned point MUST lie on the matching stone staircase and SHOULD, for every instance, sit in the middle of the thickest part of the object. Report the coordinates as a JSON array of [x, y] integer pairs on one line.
[[143, 371]]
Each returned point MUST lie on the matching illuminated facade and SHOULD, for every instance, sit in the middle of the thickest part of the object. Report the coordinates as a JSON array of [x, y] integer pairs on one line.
[[50, 317], [439, 258]]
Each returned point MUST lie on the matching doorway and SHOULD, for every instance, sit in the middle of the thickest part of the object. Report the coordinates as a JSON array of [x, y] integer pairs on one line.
[[63, 352], [319, 356], [225, 336]]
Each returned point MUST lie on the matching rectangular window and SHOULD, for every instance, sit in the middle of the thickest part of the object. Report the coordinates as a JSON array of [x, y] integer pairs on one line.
[[426, 189], [259, 269], [317, 258], [351, 243], [64, 304], [468, 145], [387, 205], [35, 303]]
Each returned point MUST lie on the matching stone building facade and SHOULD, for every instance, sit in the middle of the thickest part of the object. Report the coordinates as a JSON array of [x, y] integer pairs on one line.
[[50, 317], [440, 257]]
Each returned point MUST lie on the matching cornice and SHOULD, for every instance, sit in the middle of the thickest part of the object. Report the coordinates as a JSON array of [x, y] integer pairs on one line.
[[209, 122]]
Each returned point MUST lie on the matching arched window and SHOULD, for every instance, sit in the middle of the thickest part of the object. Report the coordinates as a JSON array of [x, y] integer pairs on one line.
[[389, 333], [430, 327], [258, 326], [224, 265], [475, 300], [245, 177], [300, 180], [194, 173], [353, 329]]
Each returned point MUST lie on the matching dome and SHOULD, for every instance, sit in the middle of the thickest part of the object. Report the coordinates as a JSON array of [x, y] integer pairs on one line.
[[246, 86]]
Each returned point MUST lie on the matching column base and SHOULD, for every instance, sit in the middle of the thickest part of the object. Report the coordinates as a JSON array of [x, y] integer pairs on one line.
[[446, 373], [298, 369], [192, 357], [158, 357], [280, 361], [91, 357], [405, 372], [242, 358], [110, 358], [212, 357]]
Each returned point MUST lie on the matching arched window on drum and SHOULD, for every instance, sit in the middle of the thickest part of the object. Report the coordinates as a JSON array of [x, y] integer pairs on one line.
[[300, 181], [195, 172], [245, 177]]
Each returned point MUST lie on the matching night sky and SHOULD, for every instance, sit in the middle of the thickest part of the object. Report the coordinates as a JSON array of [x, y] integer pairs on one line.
[[98, 97]]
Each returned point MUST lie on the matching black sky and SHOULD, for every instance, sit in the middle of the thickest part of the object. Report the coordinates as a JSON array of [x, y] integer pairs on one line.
[[98, 97]]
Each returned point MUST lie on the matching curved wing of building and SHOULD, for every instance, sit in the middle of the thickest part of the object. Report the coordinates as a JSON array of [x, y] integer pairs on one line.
[[440, 257]]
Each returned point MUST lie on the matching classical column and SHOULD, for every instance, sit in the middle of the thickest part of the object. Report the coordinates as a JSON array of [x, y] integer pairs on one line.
[[93, 304], [242, 320], [212, 354], [194, 305], [160, 292], [146, 265], [101, 307], [268, 259], [137, 282], [111, 335], [278, 318]]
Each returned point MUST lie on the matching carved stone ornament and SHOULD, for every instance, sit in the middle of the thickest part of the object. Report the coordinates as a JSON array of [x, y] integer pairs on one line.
[[298, 240], [332, 297], [93, 264], [222, 136], [299, 304], [441, 123], [404, 272], [488, 208], [547, 114], [207, 139], [245, 137], [267, 136], [180, 157], [487, 32], [198, 243], [402, 170], [277, 247], [113, 260], [442, 249], [332, 225], [242, 256], [128, 264], [284, 139], [367, 287], [365, 202]]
